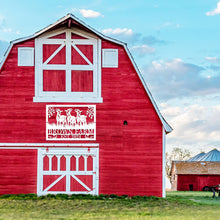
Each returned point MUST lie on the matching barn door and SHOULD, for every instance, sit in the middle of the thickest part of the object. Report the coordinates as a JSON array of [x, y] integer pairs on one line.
[[68, 171]]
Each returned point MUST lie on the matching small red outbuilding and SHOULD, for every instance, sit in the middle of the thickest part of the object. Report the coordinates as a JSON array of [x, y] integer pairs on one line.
[[196, 173], [77, 117]]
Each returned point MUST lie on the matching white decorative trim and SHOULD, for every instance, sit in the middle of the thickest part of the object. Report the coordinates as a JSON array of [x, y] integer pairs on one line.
[[70, 122], [72, 99], [37, 145], [167, 127], [164, 163], [99, 79], [110, 58]]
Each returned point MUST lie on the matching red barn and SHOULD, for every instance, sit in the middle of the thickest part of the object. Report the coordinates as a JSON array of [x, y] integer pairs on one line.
[[197, 173], [77, 117]]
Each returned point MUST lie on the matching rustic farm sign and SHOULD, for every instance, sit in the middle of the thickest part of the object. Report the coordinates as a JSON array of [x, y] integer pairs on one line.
[[70, 122]]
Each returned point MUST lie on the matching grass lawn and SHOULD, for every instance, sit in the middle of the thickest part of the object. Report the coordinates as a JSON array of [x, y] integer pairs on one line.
[[177, 205]]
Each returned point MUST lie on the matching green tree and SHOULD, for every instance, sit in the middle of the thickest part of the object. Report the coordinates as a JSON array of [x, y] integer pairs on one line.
[[176, 154]]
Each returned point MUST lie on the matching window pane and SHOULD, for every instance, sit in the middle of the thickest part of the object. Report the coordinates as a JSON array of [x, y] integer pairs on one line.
[[87, 50], [76, 58], [82, 81], [54, 80], [55, 53]]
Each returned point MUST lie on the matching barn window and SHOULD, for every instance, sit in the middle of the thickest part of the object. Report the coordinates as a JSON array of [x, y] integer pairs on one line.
[[25, 56], [110, 58], [67, 67]]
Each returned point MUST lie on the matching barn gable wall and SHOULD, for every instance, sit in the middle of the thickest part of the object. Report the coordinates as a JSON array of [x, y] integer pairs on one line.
[[18, 171], [130, 156]]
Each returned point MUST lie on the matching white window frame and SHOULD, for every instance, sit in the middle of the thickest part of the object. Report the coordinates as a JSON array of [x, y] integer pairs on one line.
[[26, 62], [68, 95], [106, 59]]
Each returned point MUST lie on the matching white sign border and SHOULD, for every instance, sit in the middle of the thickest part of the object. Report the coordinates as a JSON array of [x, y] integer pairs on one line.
[[69, 139]]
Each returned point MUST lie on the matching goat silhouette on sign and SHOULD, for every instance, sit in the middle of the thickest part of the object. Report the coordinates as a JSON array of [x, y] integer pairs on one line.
[[81, 119]]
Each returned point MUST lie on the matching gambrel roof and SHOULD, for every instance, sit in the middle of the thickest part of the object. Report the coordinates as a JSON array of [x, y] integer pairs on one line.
[[71, 21]]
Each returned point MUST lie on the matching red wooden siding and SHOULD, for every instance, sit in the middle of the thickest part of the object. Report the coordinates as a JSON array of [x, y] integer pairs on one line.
[[134, 151], [130, 156], [72, 163], [54, 80], [60, 186], [54, 163], [59, 58], [46, 163], [76, 36], [87, 50], [59, 36], [89, 163], [18, 173], [197, 182], [75, 186], [76, 58], [63, 163], [82, 81]]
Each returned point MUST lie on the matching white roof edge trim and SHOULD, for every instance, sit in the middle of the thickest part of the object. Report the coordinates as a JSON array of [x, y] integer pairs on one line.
[[47, 144], [82, 23], [167, 127]]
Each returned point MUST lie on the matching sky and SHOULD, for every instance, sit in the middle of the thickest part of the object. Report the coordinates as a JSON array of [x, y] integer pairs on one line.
[[175, 44]]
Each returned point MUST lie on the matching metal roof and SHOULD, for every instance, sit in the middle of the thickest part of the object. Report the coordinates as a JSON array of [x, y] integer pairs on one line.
[[213, 155], [198, 156]]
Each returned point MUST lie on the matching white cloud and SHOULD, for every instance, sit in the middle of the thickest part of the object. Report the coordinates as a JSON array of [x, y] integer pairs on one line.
[[143, 50], [151, 40], [2, 22], [89, 13], [170, 25], [118, 31], [7, 30], [124, 34], [3, 25], [212, 59], [129, 36], [175, 78], [215, 11], [1, 19], [196, 125]]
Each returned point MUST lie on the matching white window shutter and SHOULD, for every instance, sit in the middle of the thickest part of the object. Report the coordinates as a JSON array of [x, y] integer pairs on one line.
[[25, 56], [110, 58]]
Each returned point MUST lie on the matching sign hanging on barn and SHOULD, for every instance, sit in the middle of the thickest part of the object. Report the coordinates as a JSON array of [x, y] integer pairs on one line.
[[70, 122]]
